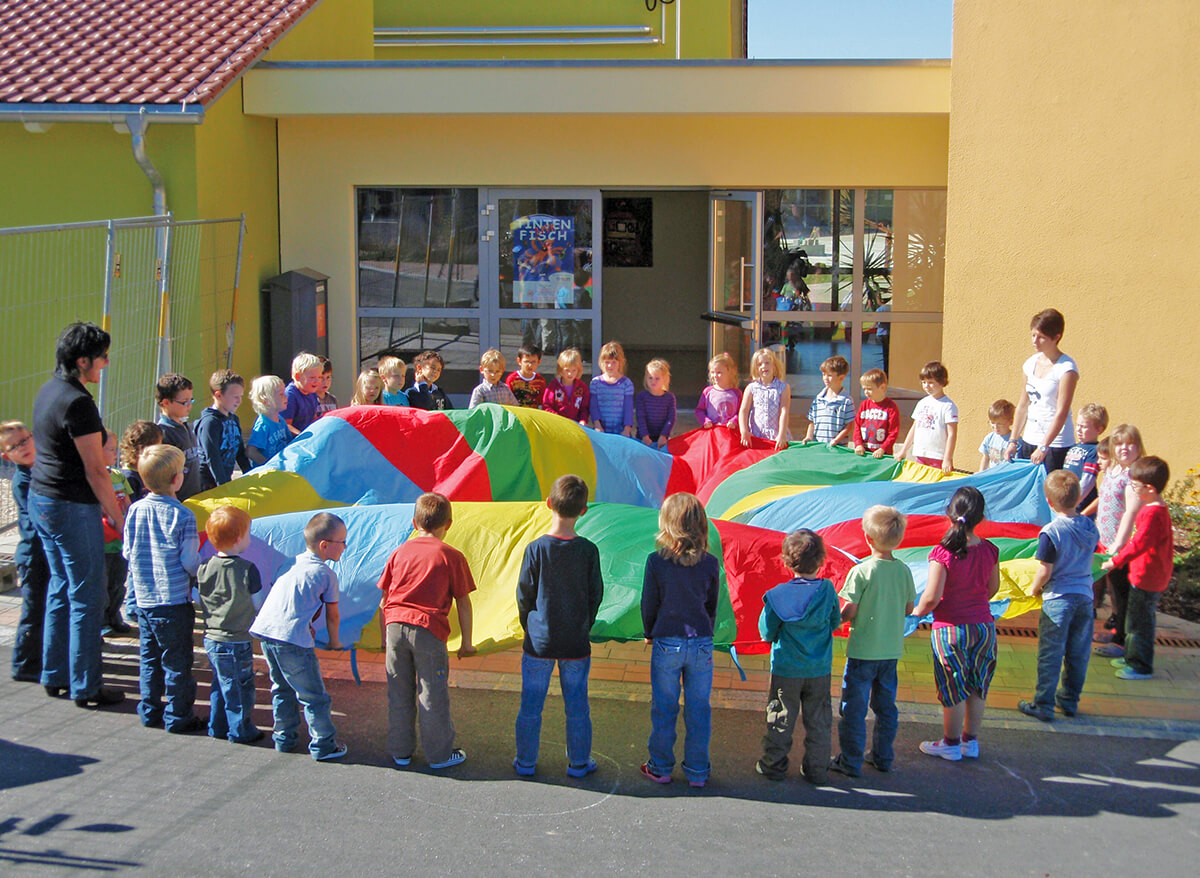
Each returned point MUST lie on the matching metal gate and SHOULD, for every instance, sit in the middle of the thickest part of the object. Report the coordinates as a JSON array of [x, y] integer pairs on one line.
[[165, 289]]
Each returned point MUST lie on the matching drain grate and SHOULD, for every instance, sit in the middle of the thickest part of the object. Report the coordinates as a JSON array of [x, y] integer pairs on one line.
[[1031, 633]]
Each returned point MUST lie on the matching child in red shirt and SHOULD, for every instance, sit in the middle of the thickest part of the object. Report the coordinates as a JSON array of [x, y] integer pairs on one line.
[[1149, 557], [877, 423], [419, 582]]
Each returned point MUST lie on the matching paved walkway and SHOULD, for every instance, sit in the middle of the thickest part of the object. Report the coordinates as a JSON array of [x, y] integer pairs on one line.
[[1169, 703]]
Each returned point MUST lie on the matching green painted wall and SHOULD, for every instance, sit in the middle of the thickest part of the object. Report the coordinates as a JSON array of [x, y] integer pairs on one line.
[[75, 172], [237, 172], [335, 30], [709, 28]]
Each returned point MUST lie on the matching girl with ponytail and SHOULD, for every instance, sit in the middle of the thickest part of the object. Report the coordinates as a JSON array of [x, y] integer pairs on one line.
[[964, 574]]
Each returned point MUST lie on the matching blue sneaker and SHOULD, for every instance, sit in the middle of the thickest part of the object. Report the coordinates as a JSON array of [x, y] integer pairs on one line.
[[582, 770], [402, 761], [457, 757], [339, 750], [524, 770]]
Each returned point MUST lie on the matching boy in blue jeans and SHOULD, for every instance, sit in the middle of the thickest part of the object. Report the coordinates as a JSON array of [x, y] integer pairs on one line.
[[284, 626], [879, 594], [1064, 581], [558, 596], [226, 583], [798, 620], [16, 446], [163, 550]]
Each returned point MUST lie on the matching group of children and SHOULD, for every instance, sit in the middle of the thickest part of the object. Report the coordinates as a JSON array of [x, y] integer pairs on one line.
[[154, 563]]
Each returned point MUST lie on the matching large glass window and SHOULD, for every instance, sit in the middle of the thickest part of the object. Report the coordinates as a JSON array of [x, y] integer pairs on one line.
[[418, 278], [418, 248], [875, 256]]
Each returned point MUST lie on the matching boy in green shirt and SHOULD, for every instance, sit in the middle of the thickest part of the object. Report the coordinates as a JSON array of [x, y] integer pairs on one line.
[[880, 593]]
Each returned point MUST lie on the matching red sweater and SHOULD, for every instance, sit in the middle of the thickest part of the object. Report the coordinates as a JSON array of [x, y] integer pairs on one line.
[[1150, 552]]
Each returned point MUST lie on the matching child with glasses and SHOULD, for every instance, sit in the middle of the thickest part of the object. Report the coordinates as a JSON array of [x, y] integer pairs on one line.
[[175, 401]]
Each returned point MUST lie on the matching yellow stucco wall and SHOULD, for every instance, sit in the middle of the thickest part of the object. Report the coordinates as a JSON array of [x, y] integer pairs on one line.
[[236, 173], [1074, 184], [321, 160]]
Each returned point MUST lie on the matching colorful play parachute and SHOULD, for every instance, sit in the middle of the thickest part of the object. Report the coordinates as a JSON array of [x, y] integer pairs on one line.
[[497, 463]]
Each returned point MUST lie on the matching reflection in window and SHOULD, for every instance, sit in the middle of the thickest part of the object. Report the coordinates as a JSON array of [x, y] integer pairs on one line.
[[455, 338], [811, 231], [418, 248], [918, 278], [552, 335], [803, 346]]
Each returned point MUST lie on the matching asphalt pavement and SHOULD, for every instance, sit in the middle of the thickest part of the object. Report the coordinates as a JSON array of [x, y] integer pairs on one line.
[[93, 791]]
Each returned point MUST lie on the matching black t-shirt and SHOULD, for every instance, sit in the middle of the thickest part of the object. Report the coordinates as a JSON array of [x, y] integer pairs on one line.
[[63, 412]]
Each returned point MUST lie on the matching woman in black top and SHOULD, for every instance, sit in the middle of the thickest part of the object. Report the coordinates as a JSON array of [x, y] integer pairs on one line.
[[70, 490]]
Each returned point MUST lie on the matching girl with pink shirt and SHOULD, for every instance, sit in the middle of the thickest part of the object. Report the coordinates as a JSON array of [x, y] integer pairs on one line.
[[964, 575]]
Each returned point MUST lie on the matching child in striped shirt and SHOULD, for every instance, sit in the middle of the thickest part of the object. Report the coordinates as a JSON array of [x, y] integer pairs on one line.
[[655, 406], [612, 393], [163, 550]]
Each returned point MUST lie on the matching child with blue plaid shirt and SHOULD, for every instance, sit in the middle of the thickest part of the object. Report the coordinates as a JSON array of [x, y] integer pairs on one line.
[[163, 550], [831, 415]]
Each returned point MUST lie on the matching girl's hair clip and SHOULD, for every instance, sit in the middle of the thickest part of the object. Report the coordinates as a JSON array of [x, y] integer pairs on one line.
[[962, 519]]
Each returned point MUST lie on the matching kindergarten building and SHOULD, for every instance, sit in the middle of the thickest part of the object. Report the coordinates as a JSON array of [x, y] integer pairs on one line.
[[472, 174]]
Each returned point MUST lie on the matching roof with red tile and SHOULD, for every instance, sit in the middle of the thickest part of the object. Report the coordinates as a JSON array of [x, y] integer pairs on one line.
[[153, 52]]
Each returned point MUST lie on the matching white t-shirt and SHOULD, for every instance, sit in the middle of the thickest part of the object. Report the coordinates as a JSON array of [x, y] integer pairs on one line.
[[1043, 403], [930, 416]]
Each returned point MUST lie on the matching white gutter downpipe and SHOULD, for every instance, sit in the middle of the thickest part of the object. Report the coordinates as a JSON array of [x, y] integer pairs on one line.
[[137, 124]]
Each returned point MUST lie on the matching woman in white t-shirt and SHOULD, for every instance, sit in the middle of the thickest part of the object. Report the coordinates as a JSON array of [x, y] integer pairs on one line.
[[1043, 416]]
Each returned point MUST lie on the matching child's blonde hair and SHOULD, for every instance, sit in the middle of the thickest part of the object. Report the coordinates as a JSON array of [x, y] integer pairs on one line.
[[303, 362], [771, 357], [658, 366], [569, 357], [613, 351], [884, 526], [263, 391], [158, 466], [492, 359], [1001, 412], [360, 388], [137, 437], [390, 365], [724, 359], [1128, 433], [876, 377], [682, 530], [1062, 490], [1093, 411]]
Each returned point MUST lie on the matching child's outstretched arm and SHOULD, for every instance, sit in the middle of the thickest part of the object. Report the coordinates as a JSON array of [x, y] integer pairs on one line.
[[465, 626], [332, 620], [744, 419], [948, 457], [785, 410], [1040, 578]]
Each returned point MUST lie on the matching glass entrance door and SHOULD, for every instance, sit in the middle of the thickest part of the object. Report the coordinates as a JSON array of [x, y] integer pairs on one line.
[[735, 274], [542, 261]]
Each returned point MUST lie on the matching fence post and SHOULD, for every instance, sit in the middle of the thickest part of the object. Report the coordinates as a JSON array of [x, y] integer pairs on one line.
[[231, 328], [106, 320], [162, 236]]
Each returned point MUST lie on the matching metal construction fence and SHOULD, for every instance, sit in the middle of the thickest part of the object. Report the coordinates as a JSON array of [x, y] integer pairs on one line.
[[165, 289]]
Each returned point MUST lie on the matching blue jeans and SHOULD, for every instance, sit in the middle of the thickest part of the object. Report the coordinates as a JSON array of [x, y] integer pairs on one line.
[[73, 539], [1064, 644], [873, 680], [295, 681], [535, 683], [673, 659], [231, 696], [165, 666], [27, 647]]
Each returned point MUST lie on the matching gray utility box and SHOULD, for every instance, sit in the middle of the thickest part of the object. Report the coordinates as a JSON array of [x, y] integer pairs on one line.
[[294, 318]]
